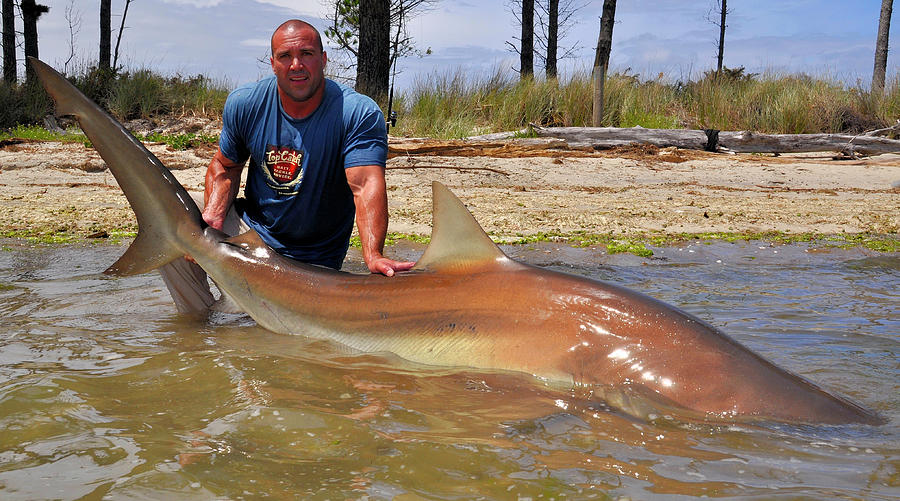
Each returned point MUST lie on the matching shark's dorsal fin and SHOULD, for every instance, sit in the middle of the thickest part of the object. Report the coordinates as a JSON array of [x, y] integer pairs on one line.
[[457, 240]]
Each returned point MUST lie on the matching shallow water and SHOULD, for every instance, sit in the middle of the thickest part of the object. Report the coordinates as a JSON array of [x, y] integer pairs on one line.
[[106, 392]]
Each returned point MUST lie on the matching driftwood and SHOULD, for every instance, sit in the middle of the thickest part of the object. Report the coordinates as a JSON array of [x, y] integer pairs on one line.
[[598, 138], [502, 145], [711, 140], [453, 167]]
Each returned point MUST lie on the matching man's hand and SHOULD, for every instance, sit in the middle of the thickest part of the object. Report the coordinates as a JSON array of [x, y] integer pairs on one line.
[[388, 267], [223, 178], [370, 196], [213, 218]]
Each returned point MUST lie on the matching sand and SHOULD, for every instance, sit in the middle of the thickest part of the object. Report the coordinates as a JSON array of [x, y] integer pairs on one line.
[[630, 192]]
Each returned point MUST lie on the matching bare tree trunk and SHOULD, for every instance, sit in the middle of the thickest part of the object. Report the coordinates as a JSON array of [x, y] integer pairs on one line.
[[526, 54], [552, 38], [881, 46], [721, 54], [115, 63], [30, 14], [373, 65], [105, 33], [9, 41], [601, 57]]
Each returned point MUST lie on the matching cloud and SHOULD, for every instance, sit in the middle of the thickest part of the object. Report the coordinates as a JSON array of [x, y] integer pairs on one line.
[[195, 3], [255, 42], [296, 7]]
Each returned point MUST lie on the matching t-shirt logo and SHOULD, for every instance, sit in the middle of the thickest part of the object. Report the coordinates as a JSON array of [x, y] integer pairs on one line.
[[283, 167]]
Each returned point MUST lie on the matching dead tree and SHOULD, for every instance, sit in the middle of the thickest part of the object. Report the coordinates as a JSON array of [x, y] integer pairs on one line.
[[553, 20], [601, 57], [73, 18], [722, 5], [552, 38], [105, 34], [9, 41], [31, 12], [881, 46], [115, 63], [526, 53]]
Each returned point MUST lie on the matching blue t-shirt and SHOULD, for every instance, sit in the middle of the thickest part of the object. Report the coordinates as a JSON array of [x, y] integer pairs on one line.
[[297, 196]]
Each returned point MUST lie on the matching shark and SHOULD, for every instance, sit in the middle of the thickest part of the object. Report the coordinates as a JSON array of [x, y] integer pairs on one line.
[[465, 305]]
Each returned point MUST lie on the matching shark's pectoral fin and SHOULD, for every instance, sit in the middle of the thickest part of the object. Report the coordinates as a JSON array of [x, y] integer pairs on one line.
[[146, 253], [458, 243], [249, 239]]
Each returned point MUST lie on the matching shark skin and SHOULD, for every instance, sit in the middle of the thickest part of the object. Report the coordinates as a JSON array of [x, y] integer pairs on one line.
[[465, 304]]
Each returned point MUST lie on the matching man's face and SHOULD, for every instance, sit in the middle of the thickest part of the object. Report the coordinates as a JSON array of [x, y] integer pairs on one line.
[[299, 64]]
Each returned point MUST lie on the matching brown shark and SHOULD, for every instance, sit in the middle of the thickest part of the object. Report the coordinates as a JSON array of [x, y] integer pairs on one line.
[[466, 304]]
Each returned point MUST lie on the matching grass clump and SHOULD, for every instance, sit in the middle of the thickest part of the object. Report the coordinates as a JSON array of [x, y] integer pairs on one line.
[[35, 133], [180, 141], [130, 94], [450, 105], [174, 141]]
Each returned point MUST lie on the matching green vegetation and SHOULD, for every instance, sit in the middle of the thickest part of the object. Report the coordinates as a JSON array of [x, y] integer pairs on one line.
[[126, 95], [180, 141], [453, 105], [48, 236], [35, 133], [640, 245], [174, 141]]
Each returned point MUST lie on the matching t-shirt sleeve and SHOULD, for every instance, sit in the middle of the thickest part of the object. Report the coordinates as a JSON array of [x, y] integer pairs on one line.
[[231, 140], [366, 142]]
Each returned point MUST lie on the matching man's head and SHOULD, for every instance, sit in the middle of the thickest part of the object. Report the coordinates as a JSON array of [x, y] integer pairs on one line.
[[298, 61]]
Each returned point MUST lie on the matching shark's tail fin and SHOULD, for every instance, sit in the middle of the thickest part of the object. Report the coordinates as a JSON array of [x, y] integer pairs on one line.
[[166, 214], [145, 254]]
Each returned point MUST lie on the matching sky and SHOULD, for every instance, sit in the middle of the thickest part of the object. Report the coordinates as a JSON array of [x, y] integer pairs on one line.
[[228, 40]]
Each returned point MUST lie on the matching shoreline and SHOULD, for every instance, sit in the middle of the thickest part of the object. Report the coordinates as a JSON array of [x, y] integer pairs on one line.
[[632, 197]]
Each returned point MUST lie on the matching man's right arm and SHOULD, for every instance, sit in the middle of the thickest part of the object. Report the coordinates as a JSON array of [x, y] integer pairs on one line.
[[223, 179]]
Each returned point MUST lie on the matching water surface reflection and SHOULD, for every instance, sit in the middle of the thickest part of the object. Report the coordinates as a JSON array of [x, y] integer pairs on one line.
[[105, 392]]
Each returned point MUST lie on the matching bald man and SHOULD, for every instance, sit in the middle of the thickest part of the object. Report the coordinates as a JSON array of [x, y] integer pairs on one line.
[[317, 151]]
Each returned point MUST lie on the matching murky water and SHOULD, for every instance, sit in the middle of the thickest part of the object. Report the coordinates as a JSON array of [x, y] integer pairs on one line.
[[106, 393]]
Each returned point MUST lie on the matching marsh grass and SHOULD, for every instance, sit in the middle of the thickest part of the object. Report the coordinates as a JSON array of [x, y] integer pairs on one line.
[[457, 104], [453, 105], [129, 94]]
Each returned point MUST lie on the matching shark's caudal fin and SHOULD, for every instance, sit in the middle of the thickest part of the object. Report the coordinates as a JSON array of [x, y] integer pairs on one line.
[[457, 240], [163, 208]]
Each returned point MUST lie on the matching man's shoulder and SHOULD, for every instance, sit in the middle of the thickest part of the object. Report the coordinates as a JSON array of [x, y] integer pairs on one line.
[[252, 91], [352, 103]]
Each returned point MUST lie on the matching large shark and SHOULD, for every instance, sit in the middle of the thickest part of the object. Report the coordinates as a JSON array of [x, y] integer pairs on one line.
[[465, 304]]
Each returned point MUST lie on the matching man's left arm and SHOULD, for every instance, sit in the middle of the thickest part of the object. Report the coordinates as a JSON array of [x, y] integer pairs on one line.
[[370, 196]]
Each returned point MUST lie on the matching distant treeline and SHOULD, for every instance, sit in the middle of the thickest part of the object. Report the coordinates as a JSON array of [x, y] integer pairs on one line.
[[453, 105]]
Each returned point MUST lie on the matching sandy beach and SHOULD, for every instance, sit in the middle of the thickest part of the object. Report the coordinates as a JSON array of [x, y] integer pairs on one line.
[[51, 187]]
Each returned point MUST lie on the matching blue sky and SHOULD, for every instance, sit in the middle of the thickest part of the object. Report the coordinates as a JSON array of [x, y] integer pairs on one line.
[[228, 39]]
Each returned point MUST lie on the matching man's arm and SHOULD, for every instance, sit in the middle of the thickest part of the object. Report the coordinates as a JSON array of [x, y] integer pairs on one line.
[[370, 196], [223, 179]]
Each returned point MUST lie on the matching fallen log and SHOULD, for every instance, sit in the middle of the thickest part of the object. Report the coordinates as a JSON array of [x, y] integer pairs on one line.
[[501, 147], [713, 140]]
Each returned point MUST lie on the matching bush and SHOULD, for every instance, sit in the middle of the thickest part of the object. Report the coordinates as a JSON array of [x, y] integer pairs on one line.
[[20, 104]]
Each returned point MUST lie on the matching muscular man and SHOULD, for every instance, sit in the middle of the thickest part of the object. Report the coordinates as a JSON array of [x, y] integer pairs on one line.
[[317, 151]]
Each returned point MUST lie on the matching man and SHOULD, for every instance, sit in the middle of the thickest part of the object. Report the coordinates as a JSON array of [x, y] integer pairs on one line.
[[317, 152]]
